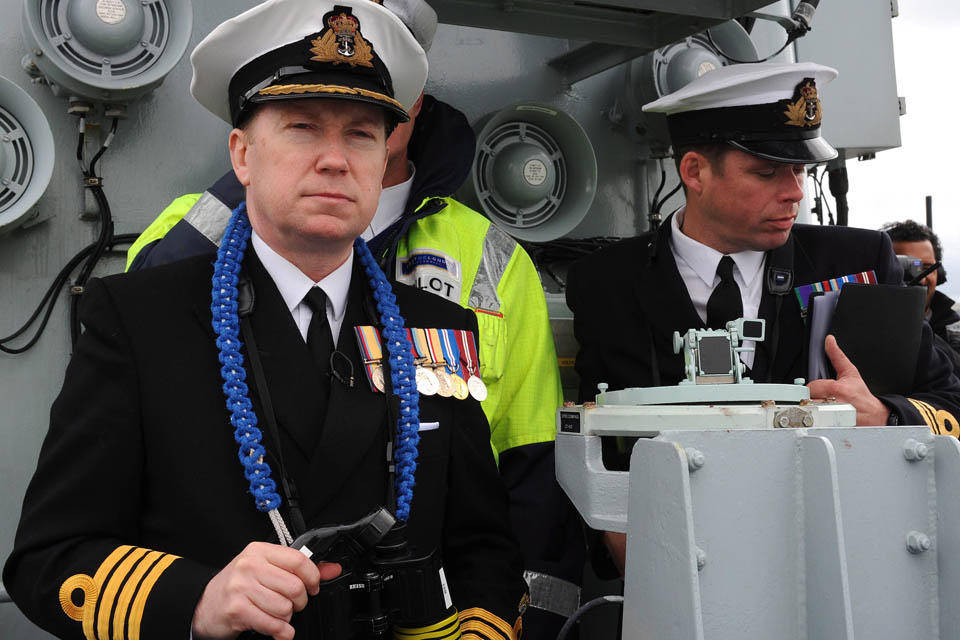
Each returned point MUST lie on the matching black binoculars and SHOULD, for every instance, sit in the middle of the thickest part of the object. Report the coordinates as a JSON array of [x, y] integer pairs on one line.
[[383, 590]]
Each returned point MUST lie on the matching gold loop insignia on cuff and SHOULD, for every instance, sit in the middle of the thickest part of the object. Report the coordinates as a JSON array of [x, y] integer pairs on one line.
[[940, 421], [117, 595], [946, 423], [85, 584]]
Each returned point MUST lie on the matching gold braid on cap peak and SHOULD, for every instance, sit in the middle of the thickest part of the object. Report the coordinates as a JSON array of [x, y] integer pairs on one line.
[[288, 89]]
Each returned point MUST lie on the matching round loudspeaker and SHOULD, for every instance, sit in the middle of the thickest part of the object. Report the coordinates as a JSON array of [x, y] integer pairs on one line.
[[534, 172], [26, 156], [111, 51], [676, 65]]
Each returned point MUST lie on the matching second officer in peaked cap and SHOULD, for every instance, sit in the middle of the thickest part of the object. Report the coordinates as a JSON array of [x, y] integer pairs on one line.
[[742, 138]]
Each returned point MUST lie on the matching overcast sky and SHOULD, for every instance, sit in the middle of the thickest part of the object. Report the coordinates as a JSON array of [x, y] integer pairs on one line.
[[893, 186]]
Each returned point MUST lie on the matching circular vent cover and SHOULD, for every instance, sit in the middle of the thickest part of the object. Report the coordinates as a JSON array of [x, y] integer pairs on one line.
[[535, 172], [521, 175], [26, 155], [16, 160], [107, 50]]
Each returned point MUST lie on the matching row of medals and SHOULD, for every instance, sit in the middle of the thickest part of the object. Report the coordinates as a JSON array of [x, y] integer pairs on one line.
[[434, 379]]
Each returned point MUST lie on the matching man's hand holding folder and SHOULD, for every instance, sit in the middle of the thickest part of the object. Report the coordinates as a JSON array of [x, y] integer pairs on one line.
[[870, 336], [849, 387]]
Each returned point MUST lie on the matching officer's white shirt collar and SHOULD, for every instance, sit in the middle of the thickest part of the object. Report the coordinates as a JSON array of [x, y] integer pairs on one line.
[[293, 285], [393, 200], [704, 260]]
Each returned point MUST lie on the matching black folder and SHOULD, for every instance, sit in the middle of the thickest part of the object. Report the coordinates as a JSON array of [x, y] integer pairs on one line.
[[879, 327]]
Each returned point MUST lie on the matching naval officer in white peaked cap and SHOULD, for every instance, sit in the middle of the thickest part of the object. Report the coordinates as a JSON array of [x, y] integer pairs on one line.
[[273, 52], [742, 136], [216, 409]]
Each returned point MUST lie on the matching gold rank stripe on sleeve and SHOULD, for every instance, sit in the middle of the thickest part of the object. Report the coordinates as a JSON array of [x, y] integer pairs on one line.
[[448, 629], [926, 412], [940, 421], [114, 599], [480, 624]]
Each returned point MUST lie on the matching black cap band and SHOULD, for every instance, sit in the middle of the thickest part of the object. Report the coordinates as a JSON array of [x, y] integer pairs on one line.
[[759, 122], [785, 131]]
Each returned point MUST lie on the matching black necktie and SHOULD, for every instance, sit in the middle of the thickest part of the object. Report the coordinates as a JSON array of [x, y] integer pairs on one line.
[[725, 303], [319, 336]]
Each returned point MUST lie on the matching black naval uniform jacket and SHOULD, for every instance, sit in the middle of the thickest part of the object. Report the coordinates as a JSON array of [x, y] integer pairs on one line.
[[139, 498], [629, 298]]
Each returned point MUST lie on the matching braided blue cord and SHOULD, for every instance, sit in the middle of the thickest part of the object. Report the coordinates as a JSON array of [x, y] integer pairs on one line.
[[402, 378], [226, 325]]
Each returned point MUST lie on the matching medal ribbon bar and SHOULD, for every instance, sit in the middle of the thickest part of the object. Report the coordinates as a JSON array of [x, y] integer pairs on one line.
[[368, 339]]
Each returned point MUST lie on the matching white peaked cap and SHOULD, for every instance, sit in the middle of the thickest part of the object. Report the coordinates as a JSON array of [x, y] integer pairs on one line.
[[270, 52]]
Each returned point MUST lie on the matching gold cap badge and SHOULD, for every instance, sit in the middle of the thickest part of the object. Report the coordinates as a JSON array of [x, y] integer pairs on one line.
[[805, 110], [342, 41]]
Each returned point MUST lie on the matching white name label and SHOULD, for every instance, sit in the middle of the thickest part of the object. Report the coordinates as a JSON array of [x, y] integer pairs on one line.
[[111, 11], [447, 600], [535, 172]]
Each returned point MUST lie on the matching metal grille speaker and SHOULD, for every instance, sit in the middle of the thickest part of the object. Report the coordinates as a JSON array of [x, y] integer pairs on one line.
[[111, 51], [26, 156], [534, 173], [676, 65]]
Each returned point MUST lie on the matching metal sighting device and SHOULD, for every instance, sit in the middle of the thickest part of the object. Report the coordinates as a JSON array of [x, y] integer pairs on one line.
[[753, 512], [712, 355]]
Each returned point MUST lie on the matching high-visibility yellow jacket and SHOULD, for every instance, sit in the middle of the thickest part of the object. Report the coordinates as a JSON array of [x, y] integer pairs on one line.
[[490, 273]]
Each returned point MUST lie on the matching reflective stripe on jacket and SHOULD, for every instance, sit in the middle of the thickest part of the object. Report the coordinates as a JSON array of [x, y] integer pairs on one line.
[[498, 281]]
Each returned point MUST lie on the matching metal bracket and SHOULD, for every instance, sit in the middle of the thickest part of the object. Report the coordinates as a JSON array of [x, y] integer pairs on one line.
[[793, 418], [592, 59], [783, 21]]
